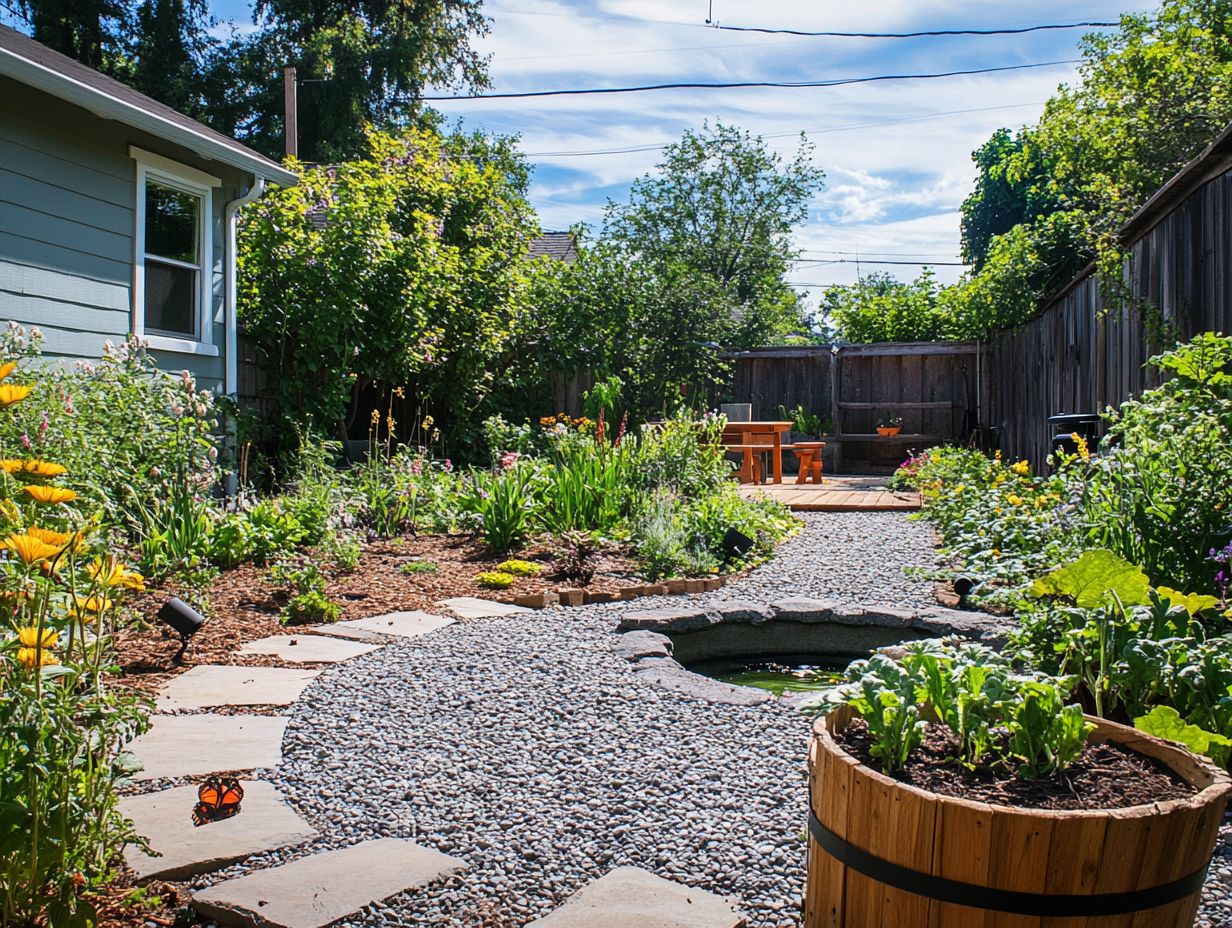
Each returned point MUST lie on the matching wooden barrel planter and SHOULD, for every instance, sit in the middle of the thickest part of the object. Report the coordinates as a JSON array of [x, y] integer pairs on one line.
[[883, 854]]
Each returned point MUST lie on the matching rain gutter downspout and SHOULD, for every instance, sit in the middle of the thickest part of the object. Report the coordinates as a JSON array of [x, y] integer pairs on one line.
[[230, 287]]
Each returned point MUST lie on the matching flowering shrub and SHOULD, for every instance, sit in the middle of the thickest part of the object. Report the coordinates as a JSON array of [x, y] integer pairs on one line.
[[64, 729], [120, 426]]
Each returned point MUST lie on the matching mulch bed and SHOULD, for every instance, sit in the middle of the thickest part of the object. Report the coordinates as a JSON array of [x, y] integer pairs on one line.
[[245, 604], [1105, 776]]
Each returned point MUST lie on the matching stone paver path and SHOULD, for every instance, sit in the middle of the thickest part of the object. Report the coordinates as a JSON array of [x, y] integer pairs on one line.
[[315, 891], [164, 819], [308, 649], [398, 624], [472, 607], [629, 897], [191, 745], [207, 687]]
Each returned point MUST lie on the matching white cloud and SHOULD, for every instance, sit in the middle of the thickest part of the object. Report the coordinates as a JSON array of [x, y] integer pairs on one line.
[[897, 154]]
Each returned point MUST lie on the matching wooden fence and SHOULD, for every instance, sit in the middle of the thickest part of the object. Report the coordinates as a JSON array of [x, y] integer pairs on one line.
[[933, 387], [1080, 355]]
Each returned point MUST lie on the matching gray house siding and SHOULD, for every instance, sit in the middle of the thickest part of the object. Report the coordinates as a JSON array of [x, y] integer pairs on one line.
[[67, 226]]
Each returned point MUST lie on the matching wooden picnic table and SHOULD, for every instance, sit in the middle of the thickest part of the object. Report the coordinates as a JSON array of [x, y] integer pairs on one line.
[[752, 438]]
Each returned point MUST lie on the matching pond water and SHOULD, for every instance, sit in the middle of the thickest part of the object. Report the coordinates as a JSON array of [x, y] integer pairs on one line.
[[793, 673]]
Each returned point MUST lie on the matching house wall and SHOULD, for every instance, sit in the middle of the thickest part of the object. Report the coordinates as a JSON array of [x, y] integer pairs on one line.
[[67, 195]]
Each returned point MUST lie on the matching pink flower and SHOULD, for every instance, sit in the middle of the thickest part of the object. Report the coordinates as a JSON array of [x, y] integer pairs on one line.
[[417, 466], [508, 459], [25, 441], [448, 466]]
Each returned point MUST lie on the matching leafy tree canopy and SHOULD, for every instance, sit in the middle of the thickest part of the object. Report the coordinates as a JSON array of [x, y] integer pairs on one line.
[[405, 268], [1051, 197], [723, 206], [360, 63], [693, 263]]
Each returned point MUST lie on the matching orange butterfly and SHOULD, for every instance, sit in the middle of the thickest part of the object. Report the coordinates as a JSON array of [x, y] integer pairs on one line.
[[219, 798]]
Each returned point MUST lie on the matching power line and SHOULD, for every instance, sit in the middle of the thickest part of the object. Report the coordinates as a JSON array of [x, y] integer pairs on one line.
[[782, 135], [912, 35], [908, 263], [733, 85]]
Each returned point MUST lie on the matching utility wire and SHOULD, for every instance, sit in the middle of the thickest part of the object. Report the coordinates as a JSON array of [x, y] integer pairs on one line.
[[912, 35], [837, 82]]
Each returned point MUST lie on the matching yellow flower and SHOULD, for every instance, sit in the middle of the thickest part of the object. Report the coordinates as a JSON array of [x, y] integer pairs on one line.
[[998, 480], [49, 495], [11, 393], [376, 417], [8, 510], [997, 457], [6, 369], [1020, 467], [34, 650], [960, 488], [1014, 499], [1041, 501], [996, 552], [31, 549], [113, 573], [32, 466], [88, 607], [1084, 451]]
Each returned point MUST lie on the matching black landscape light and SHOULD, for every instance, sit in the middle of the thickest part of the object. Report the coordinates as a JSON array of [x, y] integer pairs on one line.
[[183, 619], [736, 544]]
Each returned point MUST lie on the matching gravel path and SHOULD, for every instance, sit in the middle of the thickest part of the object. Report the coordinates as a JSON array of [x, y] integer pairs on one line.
[[524, 746]]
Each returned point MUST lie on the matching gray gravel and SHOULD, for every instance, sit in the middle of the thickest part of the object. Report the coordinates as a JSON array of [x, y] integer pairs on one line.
[[525, 747]]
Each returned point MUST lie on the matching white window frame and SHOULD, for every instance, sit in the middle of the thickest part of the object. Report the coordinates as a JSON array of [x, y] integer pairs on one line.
[[164, 171]]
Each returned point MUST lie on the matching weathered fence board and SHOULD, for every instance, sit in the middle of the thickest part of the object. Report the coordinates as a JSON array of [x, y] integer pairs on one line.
[[1081, 354]]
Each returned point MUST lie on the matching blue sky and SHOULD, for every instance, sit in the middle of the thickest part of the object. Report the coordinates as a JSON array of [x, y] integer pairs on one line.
[[896, 155]]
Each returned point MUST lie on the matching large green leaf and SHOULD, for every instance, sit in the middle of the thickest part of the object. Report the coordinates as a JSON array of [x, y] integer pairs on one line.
[[1166, 722], [1089, 580], [1194, 603]]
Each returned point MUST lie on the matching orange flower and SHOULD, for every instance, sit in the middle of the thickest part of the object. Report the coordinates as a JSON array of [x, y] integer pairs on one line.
[[11, 393], [50, 495], [30, 548], [47, 536], [6, 369], [32, 466]]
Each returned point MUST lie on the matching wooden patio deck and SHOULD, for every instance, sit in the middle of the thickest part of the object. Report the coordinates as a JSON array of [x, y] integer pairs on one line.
[[837, 494]]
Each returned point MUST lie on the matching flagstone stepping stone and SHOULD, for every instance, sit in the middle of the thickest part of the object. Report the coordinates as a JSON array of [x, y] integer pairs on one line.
[[472, 607], [629, 897], [399, 624], [208, 686], [164, 819], [188, 745], [308, 649], [321, 889]]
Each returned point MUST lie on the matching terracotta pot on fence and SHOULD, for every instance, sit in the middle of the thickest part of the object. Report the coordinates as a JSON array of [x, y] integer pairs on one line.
[[888, 429], [882, 853]]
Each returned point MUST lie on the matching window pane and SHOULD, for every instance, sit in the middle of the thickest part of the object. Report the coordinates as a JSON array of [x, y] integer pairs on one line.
[[170, 298], [171, 223]]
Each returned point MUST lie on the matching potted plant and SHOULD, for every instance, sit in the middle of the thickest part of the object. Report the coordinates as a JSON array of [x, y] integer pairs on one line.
[[947, 788], [805, 425], [890, 425]]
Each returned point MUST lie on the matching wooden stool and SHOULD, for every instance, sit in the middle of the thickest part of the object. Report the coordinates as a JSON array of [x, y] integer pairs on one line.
[[809, 453]]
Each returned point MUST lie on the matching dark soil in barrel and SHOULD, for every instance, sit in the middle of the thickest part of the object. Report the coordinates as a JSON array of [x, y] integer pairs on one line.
[[1104, 776]]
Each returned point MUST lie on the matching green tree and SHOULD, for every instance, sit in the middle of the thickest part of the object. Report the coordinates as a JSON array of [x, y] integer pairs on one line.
[[402, 269], [723, 206], [1152, 93], [880, 308], [360, 63]]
